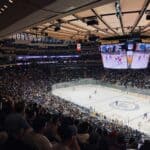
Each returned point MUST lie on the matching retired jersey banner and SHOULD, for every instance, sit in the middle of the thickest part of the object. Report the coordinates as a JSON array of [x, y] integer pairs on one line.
[[78, 46]]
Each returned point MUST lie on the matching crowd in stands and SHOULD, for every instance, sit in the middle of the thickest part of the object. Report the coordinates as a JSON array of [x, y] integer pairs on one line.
[[129, 78], [10, 46], [31, 118]]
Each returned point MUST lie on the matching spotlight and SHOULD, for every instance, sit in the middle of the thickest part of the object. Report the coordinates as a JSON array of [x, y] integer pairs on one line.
[[91, 20], [148, 17], [45, 34], [11, 1], [5, 6], [35, 28], [117, 14], [118, 9], [2, 9], [117, 6], [57, 27], [93, 38]]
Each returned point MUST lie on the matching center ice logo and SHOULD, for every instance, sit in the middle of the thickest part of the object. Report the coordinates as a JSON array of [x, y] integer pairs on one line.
[[124, 105]]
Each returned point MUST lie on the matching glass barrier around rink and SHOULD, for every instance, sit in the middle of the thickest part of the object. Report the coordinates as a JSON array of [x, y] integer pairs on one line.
[[145, 93], [74, 82]]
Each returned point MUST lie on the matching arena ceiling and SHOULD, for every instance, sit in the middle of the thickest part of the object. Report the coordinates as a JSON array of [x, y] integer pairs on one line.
[[132, 19], [17, 15], [42, 17]]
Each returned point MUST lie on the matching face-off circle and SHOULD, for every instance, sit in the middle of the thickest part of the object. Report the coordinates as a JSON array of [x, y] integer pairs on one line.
[[124, 105]]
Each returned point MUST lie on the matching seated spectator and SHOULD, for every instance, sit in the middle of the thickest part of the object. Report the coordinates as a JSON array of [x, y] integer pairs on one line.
[[83, 135], [16, 128], [93, 142], [51, 130], [132, 144], [69, 139], [36, 138]]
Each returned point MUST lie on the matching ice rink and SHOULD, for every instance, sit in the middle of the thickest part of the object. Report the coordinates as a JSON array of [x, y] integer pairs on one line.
[[115, 104]]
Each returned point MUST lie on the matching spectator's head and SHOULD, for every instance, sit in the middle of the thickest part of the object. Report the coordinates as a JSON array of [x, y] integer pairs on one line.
[[94, 138], [53, 122], [55, 119], [67, 134], [84, 127], [6, 107], [68, 121], [20, 107], [39, 124], [15, 125]]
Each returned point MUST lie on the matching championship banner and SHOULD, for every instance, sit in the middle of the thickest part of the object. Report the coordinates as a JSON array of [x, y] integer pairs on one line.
[[78, 47]]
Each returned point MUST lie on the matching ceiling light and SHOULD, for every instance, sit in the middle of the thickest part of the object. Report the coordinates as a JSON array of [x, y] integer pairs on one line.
[[118, 9], [57, 27], [5, 6], [92, 20], [11, 1], [2, 9], [148, 17]]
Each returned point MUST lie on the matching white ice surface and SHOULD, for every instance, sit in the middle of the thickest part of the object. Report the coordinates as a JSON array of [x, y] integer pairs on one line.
[[103, 98]]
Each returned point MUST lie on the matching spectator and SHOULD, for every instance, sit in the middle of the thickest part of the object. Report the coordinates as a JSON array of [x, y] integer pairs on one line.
[[69, 139], [36, 139]]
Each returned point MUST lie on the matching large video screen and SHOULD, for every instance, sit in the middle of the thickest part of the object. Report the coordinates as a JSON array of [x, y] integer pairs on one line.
[[125, 55], [114, 61], [140, 60]]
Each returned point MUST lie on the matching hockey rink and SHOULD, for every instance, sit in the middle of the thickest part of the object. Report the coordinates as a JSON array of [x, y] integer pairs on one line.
[[113, 103]]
